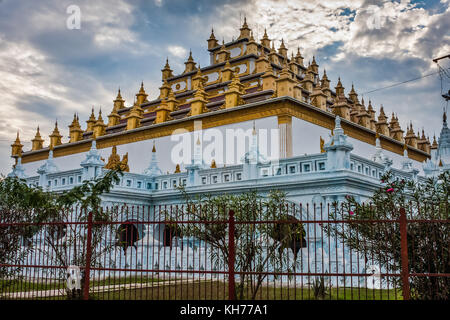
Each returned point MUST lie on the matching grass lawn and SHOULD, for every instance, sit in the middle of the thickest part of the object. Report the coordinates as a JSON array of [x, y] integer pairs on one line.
[[217, 290], [148, 288]]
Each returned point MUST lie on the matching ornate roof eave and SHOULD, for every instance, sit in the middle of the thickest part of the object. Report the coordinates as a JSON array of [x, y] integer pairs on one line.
[[285, 101]]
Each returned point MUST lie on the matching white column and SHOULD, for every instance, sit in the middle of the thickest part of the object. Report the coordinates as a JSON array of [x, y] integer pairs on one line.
[[285, 127]]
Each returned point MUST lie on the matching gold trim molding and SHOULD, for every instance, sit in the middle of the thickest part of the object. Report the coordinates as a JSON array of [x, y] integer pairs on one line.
[[282, 107]]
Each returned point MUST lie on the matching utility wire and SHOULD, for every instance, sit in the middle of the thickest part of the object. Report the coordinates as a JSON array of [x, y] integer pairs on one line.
[[403, 82]]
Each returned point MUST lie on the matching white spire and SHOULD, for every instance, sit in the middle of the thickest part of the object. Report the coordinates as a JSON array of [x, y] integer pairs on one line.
[[153, 168]]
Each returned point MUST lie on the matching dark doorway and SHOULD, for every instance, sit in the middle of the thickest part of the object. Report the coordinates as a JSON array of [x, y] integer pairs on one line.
[[127, 236], [168, 236]]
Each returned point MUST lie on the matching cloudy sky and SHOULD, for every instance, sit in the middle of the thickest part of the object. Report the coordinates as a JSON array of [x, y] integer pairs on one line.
[[48, 71]]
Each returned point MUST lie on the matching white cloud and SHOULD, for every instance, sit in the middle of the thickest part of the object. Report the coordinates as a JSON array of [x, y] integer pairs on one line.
[[177, 51], [159, 3]]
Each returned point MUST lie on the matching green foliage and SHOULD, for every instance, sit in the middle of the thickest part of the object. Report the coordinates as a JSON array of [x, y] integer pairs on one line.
[[428, 242], [258, 246], [22, 203]]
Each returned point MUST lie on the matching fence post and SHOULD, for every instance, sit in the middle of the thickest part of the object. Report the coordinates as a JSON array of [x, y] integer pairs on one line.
[[404, 254], [88, 258], [231, 257]]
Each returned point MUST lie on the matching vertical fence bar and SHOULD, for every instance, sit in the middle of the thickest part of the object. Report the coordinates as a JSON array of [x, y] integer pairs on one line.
[[231, 257], [404, 254], [88, 257]]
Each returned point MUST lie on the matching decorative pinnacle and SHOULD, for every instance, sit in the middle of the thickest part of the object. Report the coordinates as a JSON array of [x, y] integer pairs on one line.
[[245, 23], [119, 96], [154, 148], [212, 36], [190, 56]]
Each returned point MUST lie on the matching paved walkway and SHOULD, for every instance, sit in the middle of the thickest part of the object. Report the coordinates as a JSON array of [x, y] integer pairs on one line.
[[126, 286]]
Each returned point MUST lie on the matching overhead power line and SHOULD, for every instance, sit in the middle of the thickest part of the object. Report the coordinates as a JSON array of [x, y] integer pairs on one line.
[[400, 83]]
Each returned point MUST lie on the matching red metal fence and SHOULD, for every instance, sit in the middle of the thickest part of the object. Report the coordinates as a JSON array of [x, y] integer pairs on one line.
[[201, 252]]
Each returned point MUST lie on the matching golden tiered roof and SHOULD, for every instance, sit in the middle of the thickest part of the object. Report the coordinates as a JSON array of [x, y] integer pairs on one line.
[[248, 76]]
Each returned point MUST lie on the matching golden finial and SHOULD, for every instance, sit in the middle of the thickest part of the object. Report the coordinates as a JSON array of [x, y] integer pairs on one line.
[[100, 115], [119, 96], [154, 147], [167, 66], [177, 169], [213, 164], [251, 37], [212, 36], [141, 90], [245, 22], [190, 56], [434, 145], [92, 116]]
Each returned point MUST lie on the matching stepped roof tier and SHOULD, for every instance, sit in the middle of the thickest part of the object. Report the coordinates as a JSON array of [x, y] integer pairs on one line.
[[246, 80]]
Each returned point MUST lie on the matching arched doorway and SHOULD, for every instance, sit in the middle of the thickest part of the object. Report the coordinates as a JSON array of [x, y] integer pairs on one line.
[[168, 236], [127, 235], [171, 231]]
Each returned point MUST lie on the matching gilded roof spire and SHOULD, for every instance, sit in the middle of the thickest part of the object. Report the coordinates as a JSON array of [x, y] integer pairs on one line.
[[92, 116], [17, 137], [245, 23], [212, 36], [100, 116], [141, 90], [434, 145], [74, 121], [119, 96], [167, 66], [299, 55], [190, 59], [16, 150], [38, 134], [154, 147], [252, 39]]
